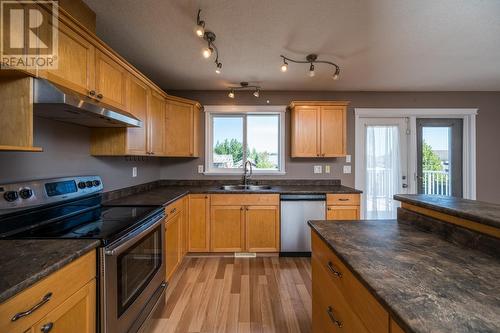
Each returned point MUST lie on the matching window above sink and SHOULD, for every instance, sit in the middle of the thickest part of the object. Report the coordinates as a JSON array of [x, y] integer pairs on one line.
[[236, 134]]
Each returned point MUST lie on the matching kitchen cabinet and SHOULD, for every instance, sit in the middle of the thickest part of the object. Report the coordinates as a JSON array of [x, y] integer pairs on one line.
[[70, 297], [227, 228], [156, 122], [343, 206], [77, 314], [262, 228], [172, 246], [110, 81], [339, 299], [182, 128], [244, 222], [199, 223], [318, 129], [130, 140]]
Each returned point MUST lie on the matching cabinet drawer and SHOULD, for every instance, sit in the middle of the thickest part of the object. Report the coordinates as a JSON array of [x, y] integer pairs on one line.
[[245, 199], [62, 284], [331, 311], [174, 208], [342, 212], [342, 199], [363, 304]]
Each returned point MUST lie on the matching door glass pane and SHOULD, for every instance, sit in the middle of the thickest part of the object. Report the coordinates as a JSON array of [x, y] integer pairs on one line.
[[263, 141], [136, 267], [228, 142], [383, 171], [436, 160]]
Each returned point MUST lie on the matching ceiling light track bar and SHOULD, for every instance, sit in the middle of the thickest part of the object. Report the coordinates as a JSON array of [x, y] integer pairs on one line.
[[311, 59], [209, 37]]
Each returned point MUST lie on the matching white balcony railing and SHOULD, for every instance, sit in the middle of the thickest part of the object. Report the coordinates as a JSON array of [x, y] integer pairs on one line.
[[436, 182]]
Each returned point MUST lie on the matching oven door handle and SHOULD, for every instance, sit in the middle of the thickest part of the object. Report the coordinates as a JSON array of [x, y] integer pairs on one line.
[[134, 236]]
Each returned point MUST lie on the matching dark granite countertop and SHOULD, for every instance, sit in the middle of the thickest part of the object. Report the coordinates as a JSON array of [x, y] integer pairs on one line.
[[25, 262], [477, 211], [167, 194], [426, 283]]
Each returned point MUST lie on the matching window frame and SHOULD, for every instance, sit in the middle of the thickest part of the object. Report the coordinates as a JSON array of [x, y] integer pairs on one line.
[[243, 111]]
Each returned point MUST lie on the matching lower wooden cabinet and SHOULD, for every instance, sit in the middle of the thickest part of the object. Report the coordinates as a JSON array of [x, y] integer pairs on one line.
[[76, 315], [173, 245], [227, 228], [262, 228], [199, 223], [343, 206]]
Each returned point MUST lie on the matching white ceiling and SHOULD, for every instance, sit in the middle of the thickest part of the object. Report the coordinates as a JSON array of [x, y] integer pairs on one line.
[[381, 45]]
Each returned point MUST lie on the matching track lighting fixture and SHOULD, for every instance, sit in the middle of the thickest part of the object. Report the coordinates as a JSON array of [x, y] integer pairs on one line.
[[209, 37], [311, 59], [244, 86]]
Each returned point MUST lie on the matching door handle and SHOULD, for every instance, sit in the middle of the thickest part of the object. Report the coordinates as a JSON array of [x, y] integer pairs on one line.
[[405, 185]]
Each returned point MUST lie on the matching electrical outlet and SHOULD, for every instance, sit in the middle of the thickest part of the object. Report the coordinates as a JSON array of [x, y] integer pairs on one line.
[[134, 172], [327, 168], [347, 169], [348, 158], [318, 169], [200, 168]]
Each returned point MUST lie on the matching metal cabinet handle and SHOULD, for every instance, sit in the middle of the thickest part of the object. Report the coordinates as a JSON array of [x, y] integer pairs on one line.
[[329, 208], [343, 199], [334, 320], [333, 270], [317, 155], [47, 327], [100, 96], [35, 307], [92, 93]]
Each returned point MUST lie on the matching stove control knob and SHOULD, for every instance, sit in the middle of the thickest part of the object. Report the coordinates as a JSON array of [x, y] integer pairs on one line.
[[81, 185], [11, 196], [26, 193], [88, 183], [96, 183]]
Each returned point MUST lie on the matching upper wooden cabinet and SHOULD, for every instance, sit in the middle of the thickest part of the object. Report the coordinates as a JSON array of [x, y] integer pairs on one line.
[[110, 81], [182, 128], [318, 129], [156, 122]]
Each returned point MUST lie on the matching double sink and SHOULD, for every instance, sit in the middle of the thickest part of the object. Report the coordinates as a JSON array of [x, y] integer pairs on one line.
[[245, 187]]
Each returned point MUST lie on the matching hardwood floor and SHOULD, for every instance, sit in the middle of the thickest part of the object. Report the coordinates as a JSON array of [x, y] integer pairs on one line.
[[264, 294]]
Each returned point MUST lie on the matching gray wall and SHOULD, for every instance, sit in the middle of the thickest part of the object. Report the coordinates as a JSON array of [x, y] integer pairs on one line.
[[488, 132], [66, 153]]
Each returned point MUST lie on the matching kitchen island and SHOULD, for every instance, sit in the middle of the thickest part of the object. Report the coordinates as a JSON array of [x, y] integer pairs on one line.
[[420, 274]]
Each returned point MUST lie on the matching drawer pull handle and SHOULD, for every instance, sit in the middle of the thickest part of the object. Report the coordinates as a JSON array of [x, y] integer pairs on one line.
[[173, 210], [343, 199], [333, 270], [35, 307], [47, 327], [332, 317]]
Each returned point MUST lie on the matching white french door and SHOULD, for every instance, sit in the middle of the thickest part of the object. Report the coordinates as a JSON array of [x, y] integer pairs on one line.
[[384, 164]]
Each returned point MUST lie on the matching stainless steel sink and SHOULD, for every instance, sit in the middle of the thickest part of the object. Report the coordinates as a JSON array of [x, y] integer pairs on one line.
[[245, 187]]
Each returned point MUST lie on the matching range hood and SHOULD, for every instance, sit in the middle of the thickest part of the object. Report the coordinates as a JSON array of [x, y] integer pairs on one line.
[[58, 103]]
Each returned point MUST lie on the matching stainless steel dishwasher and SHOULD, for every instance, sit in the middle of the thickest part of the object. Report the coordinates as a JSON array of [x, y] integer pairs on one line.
[[296, 210]]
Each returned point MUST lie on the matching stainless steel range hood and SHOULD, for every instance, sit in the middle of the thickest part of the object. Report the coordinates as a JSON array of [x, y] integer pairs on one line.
[[58, 103]]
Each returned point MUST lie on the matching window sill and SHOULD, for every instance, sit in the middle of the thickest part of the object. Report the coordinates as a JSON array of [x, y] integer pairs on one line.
[[239, 174]]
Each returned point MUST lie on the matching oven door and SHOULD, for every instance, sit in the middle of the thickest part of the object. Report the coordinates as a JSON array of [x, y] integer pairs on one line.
[[133, 273]]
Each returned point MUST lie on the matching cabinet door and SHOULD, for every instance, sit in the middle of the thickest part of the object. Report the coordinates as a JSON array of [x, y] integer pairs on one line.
[[156, 121], [262, 228], [77, 314], [179, 130], [111, 81], [76, 64], [199, 224], [333, 131], [184, 227], [342, 213], [138, 106], [172, 246], [227, 229], [305, 131]]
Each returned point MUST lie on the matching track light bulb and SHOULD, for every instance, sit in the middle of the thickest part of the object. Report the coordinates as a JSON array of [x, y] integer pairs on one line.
[[256, 93], [200, 32], [231, 94], [336, 75], [218, 70], [284, 67], [311, 71], [207, 52]]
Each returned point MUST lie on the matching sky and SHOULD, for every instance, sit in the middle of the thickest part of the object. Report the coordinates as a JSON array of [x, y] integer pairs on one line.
[[437, 137], [262, 131]]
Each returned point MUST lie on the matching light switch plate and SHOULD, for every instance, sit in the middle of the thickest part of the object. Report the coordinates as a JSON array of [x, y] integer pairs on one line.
[[200, 168], [347, 169], [134, 172], [327, 168], [318, 169], [348, 158]]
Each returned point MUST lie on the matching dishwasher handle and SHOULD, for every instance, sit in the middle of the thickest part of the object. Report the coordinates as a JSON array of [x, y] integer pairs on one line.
[[303, 197]]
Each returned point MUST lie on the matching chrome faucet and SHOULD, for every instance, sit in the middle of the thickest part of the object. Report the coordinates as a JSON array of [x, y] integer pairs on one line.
[[246, 176]]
